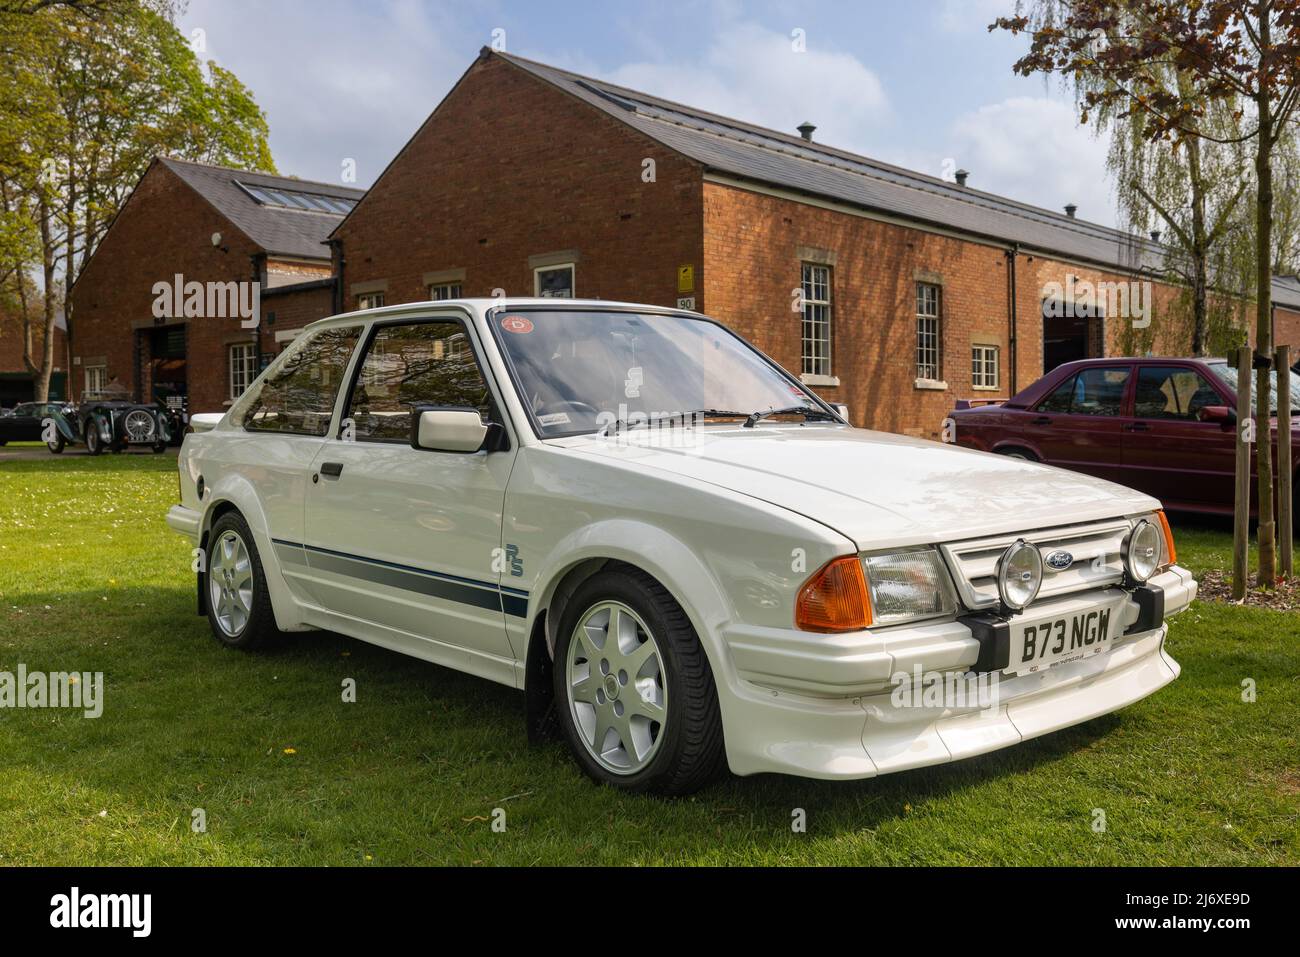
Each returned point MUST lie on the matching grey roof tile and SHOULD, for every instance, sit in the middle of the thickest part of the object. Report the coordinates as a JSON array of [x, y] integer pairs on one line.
[[286, 232]]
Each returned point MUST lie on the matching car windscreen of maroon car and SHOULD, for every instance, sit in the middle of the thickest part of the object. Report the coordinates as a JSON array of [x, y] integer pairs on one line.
[[1228, 373]]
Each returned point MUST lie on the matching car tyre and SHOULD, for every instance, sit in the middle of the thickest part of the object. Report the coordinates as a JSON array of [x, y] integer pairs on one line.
[[159, 447], [94, 444], [55, 446], [615, 689], [235, 592], [1021, 454]]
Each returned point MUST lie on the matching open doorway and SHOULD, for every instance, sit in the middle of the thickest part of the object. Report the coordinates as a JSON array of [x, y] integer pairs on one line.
[[1070, 331]]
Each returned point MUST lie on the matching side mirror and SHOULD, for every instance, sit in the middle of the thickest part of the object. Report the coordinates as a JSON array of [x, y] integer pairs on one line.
[[452, 430], [1217, 413], [841, 410]]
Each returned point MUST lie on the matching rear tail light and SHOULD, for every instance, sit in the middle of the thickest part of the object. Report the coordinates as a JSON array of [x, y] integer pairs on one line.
[[835, 598], [1171, 554]]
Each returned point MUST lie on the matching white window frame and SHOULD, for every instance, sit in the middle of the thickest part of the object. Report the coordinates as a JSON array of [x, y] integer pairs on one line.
[[929, 333], [556, 267], [370, 300], [452, 290], [816, 324], [986, 366], [96, 379], [242, 358]]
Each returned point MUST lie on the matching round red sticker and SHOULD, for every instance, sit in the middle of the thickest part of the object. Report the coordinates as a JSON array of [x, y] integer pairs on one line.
[[517, 324]]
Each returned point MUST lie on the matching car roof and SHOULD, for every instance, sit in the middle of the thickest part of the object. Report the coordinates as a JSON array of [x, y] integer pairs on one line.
[[480, 305]]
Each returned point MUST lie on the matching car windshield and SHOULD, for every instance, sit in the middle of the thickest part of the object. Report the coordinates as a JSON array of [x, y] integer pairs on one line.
[[1228, 373], [582, 370]]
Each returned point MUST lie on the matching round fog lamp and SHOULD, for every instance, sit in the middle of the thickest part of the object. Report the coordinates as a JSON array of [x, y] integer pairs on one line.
[[1020, 574], [1142, 551]]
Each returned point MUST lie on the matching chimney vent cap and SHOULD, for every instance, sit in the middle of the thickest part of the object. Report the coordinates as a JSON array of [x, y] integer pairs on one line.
[[806, 130]]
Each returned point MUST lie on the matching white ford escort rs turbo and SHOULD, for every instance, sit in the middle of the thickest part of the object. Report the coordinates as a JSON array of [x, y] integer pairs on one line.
[[682, 556]]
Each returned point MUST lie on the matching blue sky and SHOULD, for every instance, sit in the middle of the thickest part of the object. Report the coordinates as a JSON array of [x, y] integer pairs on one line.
[[922, 84]]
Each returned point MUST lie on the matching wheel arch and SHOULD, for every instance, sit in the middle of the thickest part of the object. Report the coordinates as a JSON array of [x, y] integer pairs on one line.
[[658, 554], [236, 494]]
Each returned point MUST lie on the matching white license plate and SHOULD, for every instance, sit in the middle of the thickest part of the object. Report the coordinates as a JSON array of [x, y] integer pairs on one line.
[[1039, 644]]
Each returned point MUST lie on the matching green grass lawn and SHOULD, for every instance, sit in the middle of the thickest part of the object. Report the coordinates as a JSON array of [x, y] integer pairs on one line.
[[91, 579]]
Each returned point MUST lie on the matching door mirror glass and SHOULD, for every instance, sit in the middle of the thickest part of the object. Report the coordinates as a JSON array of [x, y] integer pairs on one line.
[[449, 430]]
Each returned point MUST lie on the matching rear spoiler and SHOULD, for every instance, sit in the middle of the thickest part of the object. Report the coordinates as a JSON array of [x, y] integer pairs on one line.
[[206, 421]]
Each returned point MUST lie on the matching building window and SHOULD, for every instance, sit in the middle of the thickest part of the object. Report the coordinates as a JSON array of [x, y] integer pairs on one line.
[[984, 367], [370, 300], [243, 367], [554, 282], [927, 332], [96, 378], [816, 335], [444, 290]]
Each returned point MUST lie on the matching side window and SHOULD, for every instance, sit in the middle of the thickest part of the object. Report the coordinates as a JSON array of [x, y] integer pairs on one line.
[[1059, 399], [422, 363], [299, 396], [1172, 392], [1098, 391]]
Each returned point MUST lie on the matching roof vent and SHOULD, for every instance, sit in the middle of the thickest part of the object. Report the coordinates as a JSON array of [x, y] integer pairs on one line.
[[961, 175], [1071, 209], [806, 130], [1155, 235]]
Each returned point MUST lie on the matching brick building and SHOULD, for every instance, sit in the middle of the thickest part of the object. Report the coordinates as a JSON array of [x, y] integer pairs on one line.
[[895, 293], [890, 291], [17, 384], [222, 229]]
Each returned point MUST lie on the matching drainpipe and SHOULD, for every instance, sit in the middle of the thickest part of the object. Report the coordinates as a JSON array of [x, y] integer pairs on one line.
[[1012, 251], [340, 264]]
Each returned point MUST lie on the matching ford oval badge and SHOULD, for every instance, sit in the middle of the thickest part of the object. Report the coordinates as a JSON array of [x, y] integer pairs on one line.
[[1059, 560]]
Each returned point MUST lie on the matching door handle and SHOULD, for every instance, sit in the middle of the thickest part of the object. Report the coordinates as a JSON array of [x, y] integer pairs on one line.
[[331, 469], [1041, 420], [1137, 427]]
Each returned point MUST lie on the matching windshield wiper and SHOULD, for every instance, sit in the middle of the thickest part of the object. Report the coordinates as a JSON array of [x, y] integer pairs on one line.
[[614, 427], [807, 411]]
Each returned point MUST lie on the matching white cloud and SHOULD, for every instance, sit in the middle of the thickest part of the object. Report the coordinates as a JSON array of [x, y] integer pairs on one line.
[[752, 73], [1034, 150]]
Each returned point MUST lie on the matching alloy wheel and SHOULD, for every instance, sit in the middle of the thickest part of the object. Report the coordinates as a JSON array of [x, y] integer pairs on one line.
[[230, 583], [618, 695]]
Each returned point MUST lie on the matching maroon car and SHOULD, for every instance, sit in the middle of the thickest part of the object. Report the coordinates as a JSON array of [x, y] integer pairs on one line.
[[1163, 426]]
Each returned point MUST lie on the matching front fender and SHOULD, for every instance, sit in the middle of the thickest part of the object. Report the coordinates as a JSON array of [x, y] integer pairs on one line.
[[658, 553]]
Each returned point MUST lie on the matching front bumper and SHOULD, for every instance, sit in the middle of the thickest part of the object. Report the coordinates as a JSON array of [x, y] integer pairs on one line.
[[185, 520], [826, 706]]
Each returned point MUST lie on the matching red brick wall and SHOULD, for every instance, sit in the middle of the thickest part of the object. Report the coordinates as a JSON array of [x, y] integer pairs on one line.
[[753, 247], [1286, 330], [165, 229], [12, 341], [508, 167]]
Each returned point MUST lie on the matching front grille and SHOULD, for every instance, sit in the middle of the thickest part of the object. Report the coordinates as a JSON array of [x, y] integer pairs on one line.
[[1095, 547]]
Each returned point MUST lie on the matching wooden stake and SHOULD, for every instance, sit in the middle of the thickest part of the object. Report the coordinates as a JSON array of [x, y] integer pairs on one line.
[[1241, 516]]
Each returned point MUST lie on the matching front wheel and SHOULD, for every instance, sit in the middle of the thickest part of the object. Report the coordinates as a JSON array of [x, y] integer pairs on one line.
[[633, 687], [94, 444], [56, 444], [159, 447], [239, 606]]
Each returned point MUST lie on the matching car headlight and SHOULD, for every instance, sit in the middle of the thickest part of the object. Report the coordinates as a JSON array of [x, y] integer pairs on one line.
[[908, 585], [1142, 550], [1020, 574]]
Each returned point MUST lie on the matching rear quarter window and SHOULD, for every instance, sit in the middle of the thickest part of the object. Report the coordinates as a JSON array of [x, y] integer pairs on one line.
[[297, 396]]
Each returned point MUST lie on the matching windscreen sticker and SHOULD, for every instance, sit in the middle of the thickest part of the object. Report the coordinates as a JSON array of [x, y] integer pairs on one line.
[[554, 418], [520, 325]]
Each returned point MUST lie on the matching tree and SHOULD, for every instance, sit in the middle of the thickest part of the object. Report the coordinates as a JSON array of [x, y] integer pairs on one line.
[[1242, 52], [88, 103]]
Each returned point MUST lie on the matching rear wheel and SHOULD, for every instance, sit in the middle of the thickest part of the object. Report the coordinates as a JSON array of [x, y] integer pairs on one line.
[[633, 687], [159, 447], [239, 606]]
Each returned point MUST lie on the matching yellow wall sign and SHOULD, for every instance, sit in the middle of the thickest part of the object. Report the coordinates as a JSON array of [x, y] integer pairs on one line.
[[686, 278]]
